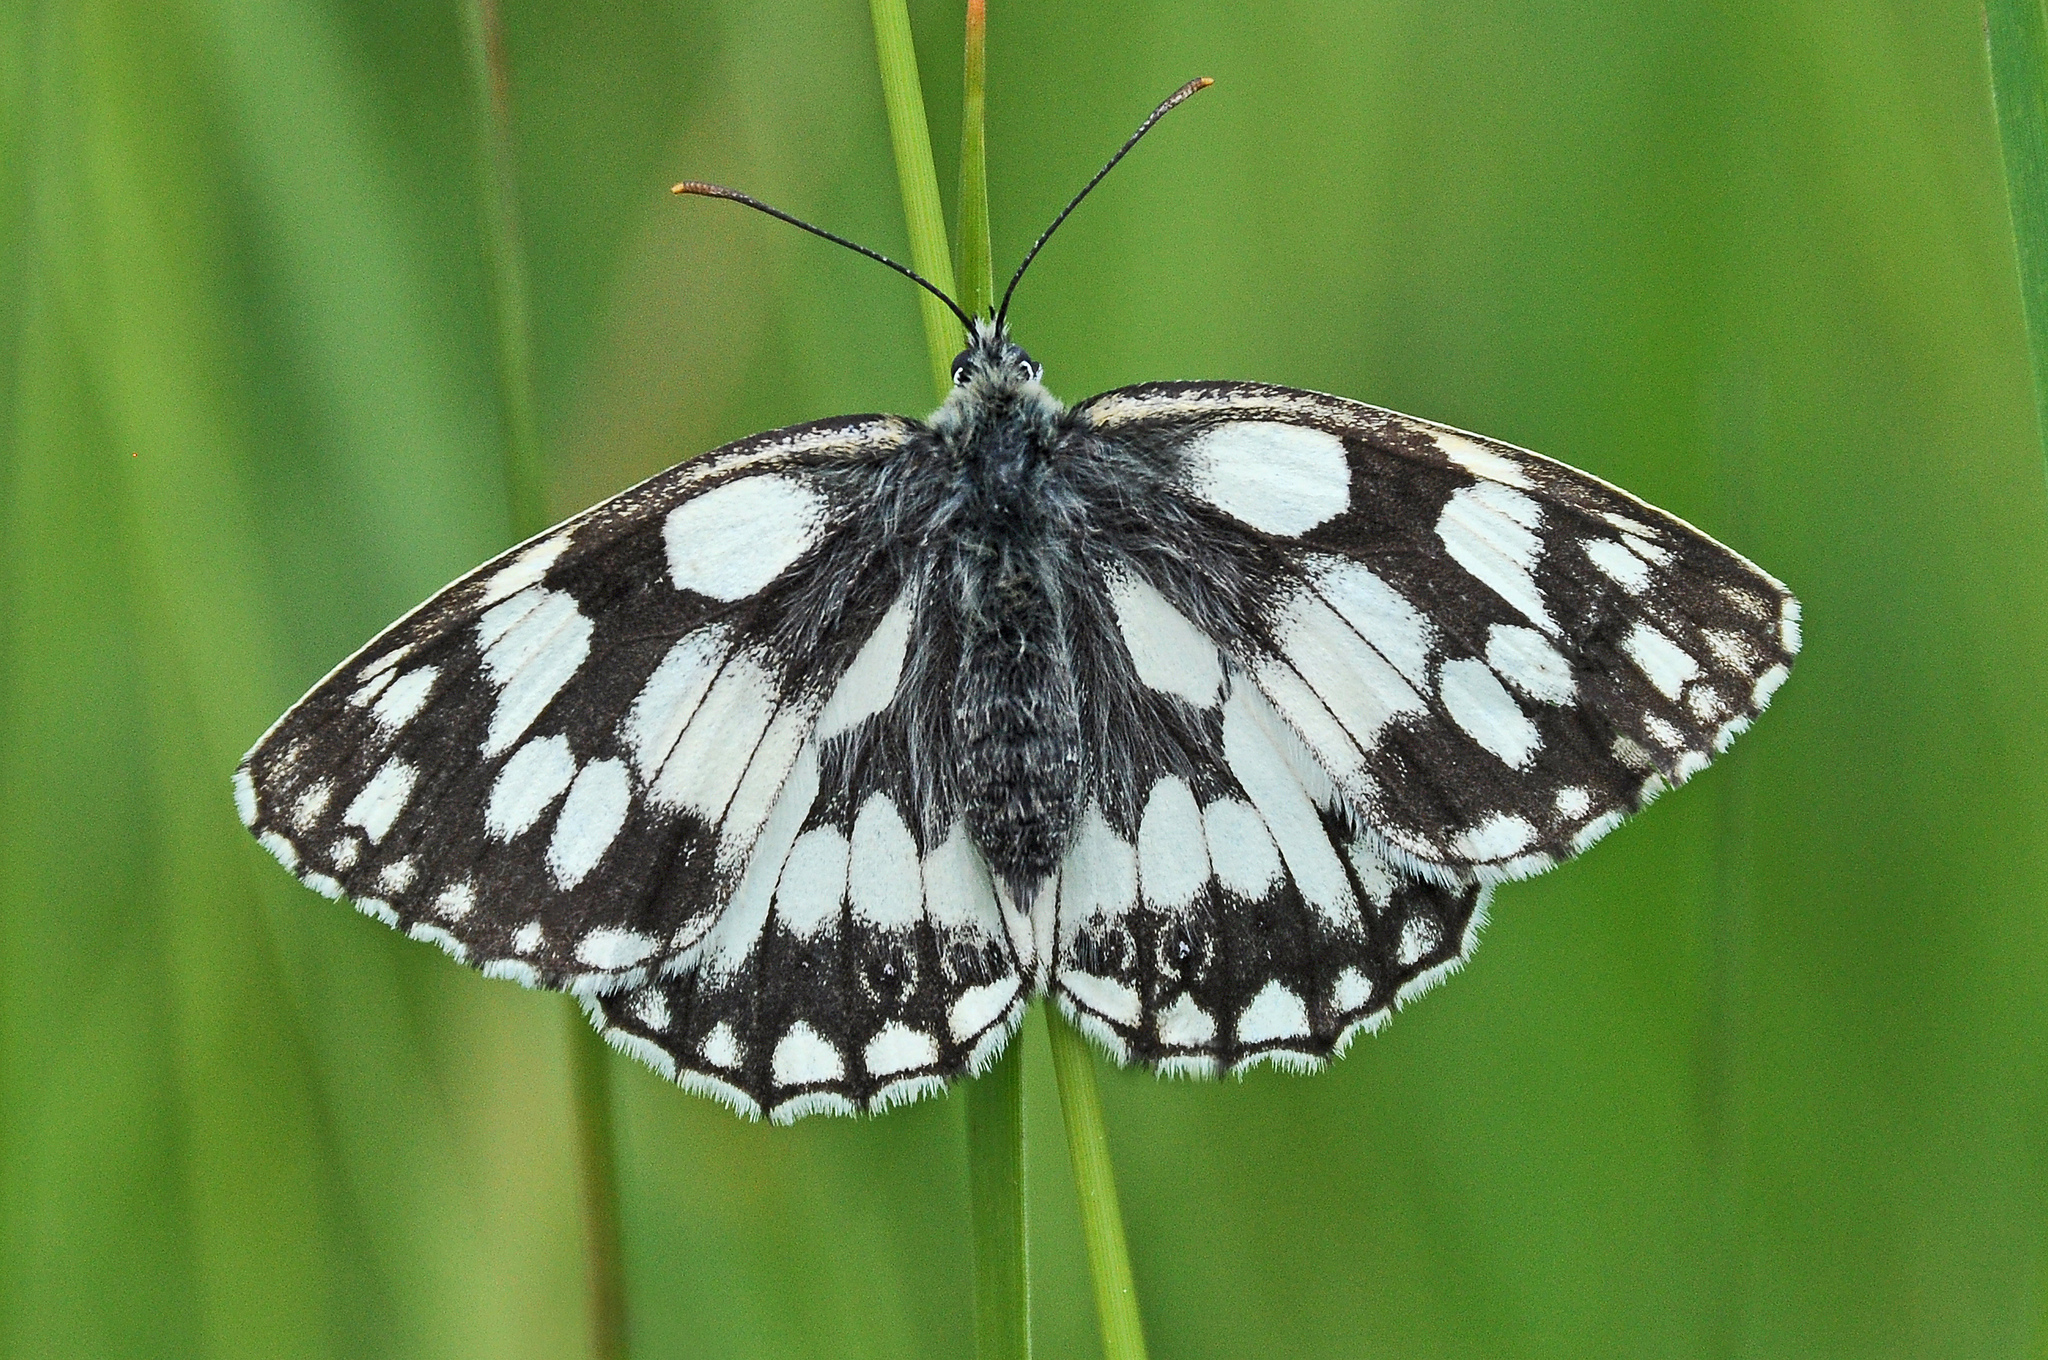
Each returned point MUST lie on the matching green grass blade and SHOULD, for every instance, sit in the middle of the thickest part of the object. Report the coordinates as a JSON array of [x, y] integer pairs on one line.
[[1102, 1219], [526, 494], [995, 1103], [995, 1178], [2018, 39], [911, 139], [977, 268]]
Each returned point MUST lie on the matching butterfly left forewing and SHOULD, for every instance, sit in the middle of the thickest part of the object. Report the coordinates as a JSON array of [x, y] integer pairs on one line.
[[1494, 656], [558, 766]]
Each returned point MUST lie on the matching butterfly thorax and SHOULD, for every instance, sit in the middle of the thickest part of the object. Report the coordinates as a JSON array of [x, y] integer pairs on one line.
[[1002, 588]]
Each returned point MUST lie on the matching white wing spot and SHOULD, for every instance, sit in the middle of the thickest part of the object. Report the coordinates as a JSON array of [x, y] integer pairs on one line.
[[1105, 996], [402, 702], [958, 894], [1631, 754], [739, 926], [1667, 665], [370, 689], [1173, 859], [1275, 1013], [590, 820], [1479, 460], [345, 851], [531, 780], [1481, 705], [1490, 532], [1383, 616], [533, 645], [704, 770], [524, 570], [384, 662], [762, 784], [1420, 935], [721, 1048], [1362, 691], [804, 1057], [395, 877], [1525, 659], [671, 695], [1247, 862], [1647, 550], [382, 799], [813, 883], [1573, 803], [1186, 1025], [899, 1048], [979, 1007], [883, 878], [869, 684], [527, 938], [1494, 837], [1663, 733], [611, 948], [1375, 875], [650, 1008], [1098, 877], [1745, 602], [734, 539], [312, 804], [457, 900], [1170, 654], [1627, 525], [1351, 991], [1278, 478], [1731, 649], [1618, 564], [1705, 703]]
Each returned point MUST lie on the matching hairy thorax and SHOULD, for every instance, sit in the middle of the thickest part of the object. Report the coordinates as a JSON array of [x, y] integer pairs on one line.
[[1009, 573]]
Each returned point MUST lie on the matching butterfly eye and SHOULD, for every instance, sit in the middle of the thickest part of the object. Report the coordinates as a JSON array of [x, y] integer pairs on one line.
[[960, 368]]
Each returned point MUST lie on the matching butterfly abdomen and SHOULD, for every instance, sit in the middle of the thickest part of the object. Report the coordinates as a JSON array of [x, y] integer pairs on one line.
[[1015, 705]]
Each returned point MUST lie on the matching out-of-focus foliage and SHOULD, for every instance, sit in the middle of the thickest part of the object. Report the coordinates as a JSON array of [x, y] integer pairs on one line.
[[1761, 1076]]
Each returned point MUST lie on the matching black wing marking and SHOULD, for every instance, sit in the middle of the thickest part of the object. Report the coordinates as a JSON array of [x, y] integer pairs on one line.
[[557, 768], [1494, 656]]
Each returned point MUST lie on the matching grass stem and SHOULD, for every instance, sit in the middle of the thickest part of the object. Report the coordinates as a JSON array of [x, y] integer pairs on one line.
[[911, 139], [995, 1103], [2018, 39], [526, 494], [1102, 1219]]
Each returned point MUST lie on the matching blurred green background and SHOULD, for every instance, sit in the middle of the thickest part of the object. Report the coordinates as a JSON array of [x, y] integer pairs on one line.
[[1762, 1076]]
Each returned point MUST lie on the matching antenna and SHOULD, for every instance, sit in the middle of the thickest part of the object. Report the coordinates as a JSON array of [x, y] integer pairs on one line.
[[691, 186], [1173, 101]]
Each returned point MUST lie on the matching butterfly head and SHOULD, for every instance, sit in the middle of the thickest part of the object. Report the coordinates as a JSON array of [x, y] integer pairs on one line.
[[995, 383], [993, 359]]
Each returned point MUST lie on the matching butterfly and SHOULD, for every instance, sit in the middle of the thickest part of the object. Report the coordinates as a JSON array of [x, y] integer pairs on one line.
[[1211, 710]]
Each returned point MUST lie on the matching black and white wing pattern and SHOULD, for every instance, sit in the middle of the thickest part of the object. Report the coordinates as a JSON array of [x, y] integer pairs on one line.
[[1405, 663], [557, 769]]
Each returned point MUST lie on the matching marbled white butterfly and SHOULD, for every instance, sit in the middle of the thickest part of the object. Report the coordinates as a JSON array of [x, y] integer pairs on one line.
[[1213, 710]]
